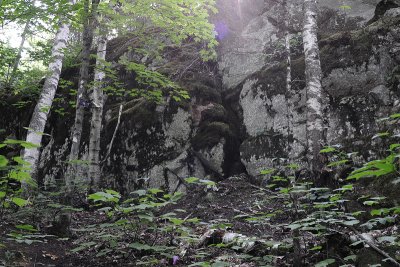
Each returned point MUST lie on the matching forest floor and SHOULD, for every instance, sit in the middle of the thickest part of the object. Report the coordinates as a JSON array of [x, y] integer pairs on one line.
[[234, 206], [234, 199]]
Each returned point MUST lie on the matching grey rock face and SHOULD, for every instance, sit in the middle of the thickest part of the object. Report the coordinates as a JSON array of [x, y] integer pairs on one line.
[[356, 68], [352, 8], [243, 120], [244, 54], [255, 45]]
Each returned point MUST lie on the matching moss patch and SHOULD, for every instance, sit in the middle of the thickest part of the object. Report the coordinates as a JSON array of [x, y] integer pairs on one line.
[[210, 134], [394, 80], [216, 113], [271, 80], [353, 47], [138, 111], [269, 145]]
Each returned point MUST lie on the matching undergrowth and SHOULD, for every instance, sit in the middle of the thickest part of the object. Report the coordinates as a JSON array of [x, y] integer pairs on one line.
[[293, 221]]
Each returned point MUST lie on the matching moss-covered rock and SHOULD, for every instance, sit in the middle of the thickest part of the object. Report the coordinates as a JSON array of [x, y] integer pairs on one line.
[[210, 134], [215, 113]]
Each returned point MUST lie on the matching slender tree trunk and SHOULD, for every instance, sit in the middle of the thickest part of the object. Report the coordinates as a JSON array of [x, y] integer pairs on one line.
[[19, 53], [97, 115], [297, 261], [289, 93], [315, 130], [40, 114], [82, 99]]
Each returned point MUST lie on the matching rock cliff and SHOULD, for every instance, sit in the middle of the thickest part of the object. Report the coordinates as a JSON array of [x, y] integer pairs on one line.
[[237, 119]]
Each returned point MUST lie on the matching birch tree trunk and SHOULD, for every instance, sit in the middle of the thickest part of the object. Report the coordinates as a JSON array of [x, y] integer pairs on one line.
[[97, 114], [289, 93], [40, 114], [82, 99], [19, 53], [315, 130], [297, 262]]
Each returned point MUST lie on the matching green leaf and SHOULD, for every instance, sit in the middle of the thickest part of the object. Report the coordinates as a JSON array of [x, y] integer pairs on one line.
[[112, 192], [176, 221], [327, 150], [394, 147], [154, 191], [84, 246], [374, 168], [294, 226], [2, 194], [38, 133], [19, 201], [388, 239], [3, 161], [380, 135], [357, 213], [24, 144], [78, 162], [338, 163], [316, 248], [221, 264], [140, 246], [20, 161], [192, 180], [26, 227], [370, 203], [201, 264], [348, 187], [293, 166], [351, 223], [378, 198], [140, 192], [395, 116], [146, 217], [207, 182], [176, 196], [104, 252], [379, 212], [351, 258], [268, 171], [110, 196], [357, 243], [325, 263], [143, 206]]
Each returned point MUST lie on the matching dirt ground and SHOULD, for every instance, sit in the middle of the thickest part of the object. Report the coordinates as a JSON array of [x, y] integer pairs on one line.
[[233, 197]]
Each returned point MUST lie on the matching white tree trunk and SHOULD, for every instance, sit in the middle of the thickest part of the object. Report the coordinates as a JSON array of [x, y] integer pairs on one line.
[[20, 49], [97, 115], [40, 114], [82, 100], [289, 93], [315, 135]]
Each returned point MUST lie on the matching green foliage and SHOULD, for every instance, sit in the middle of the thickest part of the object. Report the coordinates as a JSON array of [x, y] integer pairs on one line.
[[161, 20], [20, 11], [37, 20], [107, 196], [151, 84], [13, 173], [8, 55], [320, 211], [209, 184], [325, 263], [380, 167], [129, 217]]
